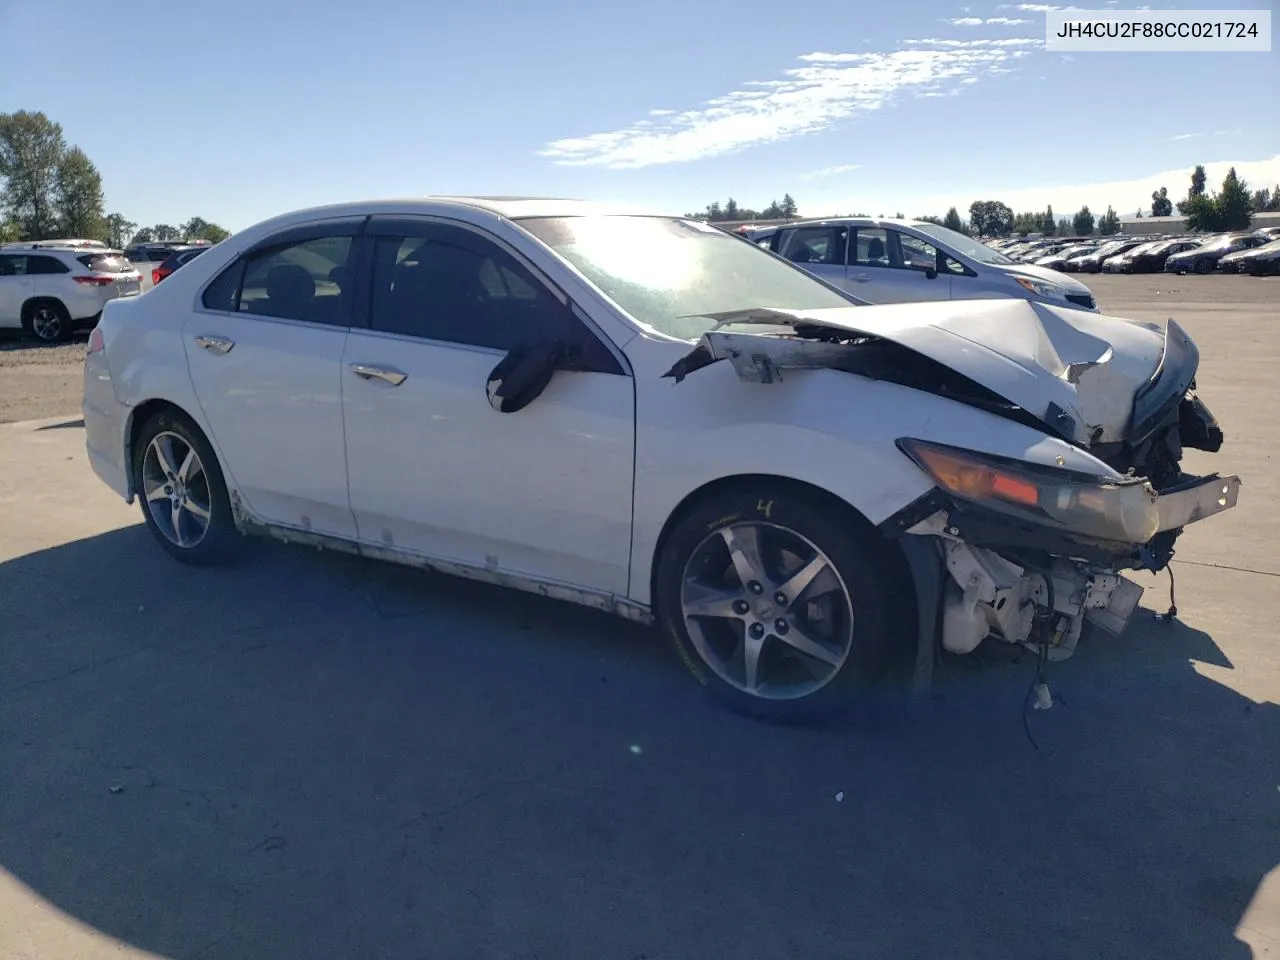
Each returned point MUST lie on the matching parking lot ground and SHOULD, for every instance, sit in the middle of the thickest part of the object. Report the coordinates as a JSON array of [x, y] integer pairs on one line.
[[309, 755]]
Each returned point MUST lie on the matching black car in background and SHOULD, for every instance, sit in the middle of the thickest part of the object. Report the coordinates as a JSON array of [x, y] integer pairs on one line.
[[176, 259], [159, 251], [1152, 259], [1092, 263], [1204, 258]]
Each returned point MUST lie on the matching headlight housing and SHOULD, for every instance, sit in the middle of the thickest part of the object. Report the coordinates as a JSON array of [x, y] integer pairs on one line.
[[1042, 288], [1088, 506]]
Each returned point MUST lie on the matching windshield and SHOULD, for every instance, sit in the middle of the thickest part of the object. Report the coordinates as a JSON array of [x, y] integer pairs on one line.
[[965, 246], [670, 273]]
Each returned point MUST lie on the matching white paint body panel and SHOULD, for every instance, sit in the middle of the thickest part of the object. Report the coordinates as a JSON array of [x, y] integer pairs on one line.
[[433, 469]]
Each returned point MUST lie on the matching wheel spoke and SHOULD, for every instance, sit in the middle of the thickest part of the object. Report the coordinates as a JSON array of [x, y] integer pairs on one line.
[[797, 639], [163, 447], [799, 581], [175, 517], [751, 661], [703, 601], [743, 542], [157, 492], [196, 510], [188, 462]]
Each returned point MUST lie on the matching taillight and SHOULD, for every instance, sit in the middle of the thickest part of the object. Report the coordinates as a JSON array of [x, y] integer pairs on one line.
[[155, 276], [94, 281], [96, 343]]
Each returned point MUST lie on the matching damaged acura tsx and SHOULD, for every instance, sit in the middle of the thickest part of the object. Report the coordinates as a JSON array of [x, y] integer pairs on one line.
[[647, 415]]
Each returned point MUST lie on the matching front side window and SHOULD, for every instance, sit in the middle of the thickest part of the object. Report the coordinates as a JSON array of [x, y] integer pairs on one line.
[[460, 289], [917, 254]]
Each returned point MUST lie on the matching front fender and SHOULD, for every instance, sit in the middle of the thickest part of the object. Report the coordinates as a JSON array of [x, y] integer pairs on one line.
[[830, 429]]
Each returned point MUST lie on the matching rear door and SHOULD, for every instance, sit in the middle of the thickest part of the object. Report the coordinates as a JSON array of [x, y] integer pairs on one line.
[[265, 352], [15, 287]]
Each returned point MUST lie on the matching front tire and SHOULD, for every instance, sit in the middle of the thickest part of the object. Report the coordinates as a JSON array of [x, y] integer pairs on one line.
[[781, 603], [182, 492]]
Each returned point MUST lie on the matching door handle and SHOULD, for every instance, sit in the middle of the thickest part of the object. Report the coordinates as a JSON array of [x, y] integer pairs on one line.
[[216, 344], [368, 372]]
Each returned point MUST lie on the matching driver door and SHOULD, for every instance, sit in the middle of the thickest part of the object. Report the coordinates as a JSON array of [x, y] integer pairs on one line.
[[433, 469]]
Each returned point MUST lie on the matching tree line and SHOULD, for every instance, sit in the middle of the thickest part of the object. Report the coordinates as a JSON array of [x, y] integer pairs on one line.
[[1231, 208], [51, 189]]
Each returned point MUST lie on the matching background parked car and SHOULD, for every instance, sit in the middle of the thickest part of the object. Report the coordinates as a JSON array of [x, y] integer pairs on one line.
[[1152, 259], [1057, 261], [1092, 262], [50, 292], [1259, 261], [174, 261], [1204, 259], [1121, 261], [900, 261]]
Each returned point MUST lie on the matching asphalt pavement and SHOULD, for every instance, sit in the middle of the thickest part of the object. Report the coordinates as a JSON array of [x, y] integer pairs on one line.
[[308, 755]]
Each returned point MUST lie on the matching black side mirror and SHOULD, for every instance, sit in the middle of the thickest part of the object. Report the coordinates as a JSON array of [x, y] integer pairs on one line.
[[522, 375], [931, 273]]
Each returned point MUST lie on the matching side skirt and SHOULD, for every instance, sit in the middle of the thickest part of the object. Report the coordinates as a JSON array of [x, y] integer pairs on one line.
[[597, 600]]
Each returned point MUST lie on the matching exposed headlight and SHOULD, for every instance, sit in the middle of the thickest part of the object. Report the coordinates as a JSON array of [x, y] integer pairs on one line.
[[1042, 288], [1121, 510]]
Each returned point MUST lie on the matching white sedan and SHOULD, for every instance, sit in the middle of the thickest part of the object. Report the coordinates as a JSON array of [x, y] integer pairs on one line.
[[649, 416]]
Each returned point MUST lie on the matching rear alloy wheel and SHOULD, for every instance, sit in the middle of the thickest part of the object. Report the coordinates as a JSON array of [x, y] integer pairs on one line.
[[777, 605], [184, 497], [48, 321]]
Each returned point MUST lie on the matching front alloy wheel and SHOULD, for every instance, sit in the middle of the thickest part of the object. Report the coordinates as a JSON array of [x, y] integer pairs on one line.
[[781, 600], [49, 323], [766, 610]]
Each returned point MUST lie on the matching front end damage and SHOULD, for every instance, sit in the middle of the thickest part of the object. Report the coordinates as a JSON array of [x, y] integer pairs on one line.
[[1009, 550]]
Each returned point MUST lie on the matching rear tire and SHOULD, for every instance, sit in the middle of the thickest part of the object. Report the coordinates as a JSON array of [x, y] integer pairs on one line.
[[182, 492], [47, 321], [782, 605]]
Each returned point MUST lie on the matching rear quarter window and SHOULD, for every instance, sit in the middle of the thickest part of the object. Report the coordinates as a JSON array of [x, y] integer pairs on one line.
[[46, 265], [105, 263]]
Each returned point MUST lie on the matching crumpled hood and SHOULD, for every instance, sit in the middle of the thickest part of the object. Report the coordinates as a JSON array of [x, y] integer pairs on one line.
[[1050, 361]]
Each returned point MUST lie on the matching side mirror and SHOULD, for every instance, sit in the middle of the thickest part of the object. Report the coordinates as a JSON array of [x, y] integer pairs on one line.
[[522, 375], [931, 273]]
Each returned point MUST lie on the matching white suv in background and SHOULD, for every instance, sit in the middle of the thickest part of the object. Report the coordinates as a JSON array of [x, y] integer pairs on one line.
[[51, 291]]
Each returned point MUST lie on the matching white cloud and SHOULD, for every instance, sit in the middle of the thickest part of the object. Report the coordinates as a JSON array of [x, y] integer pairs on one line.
[[1216, 133], [830, 171], [1186, 136], [661, 113], [967, 80], [827, 89], [990, 21], [1040, 7], [1068, 58]]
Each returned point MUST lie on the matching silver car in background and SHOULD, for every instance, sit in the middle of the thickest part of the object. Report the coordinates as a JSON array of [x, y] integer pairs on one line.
[[903, 261]]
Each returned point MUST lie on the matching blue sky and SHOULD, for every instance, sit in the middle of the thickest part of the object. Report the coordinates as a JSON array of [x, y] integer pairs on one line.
[[237, 110]]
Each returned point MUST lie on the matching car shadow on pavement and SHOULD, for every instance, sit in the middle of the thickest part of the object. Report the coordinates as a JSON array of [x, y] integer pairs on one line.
[[309, 755]]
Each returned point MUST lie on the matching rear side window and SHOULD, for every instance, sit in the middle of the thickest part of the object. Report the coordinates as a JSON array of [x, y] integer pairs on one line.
[[11, 266], [816, 245], [105, 263], [46, 265], [308, 280]]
